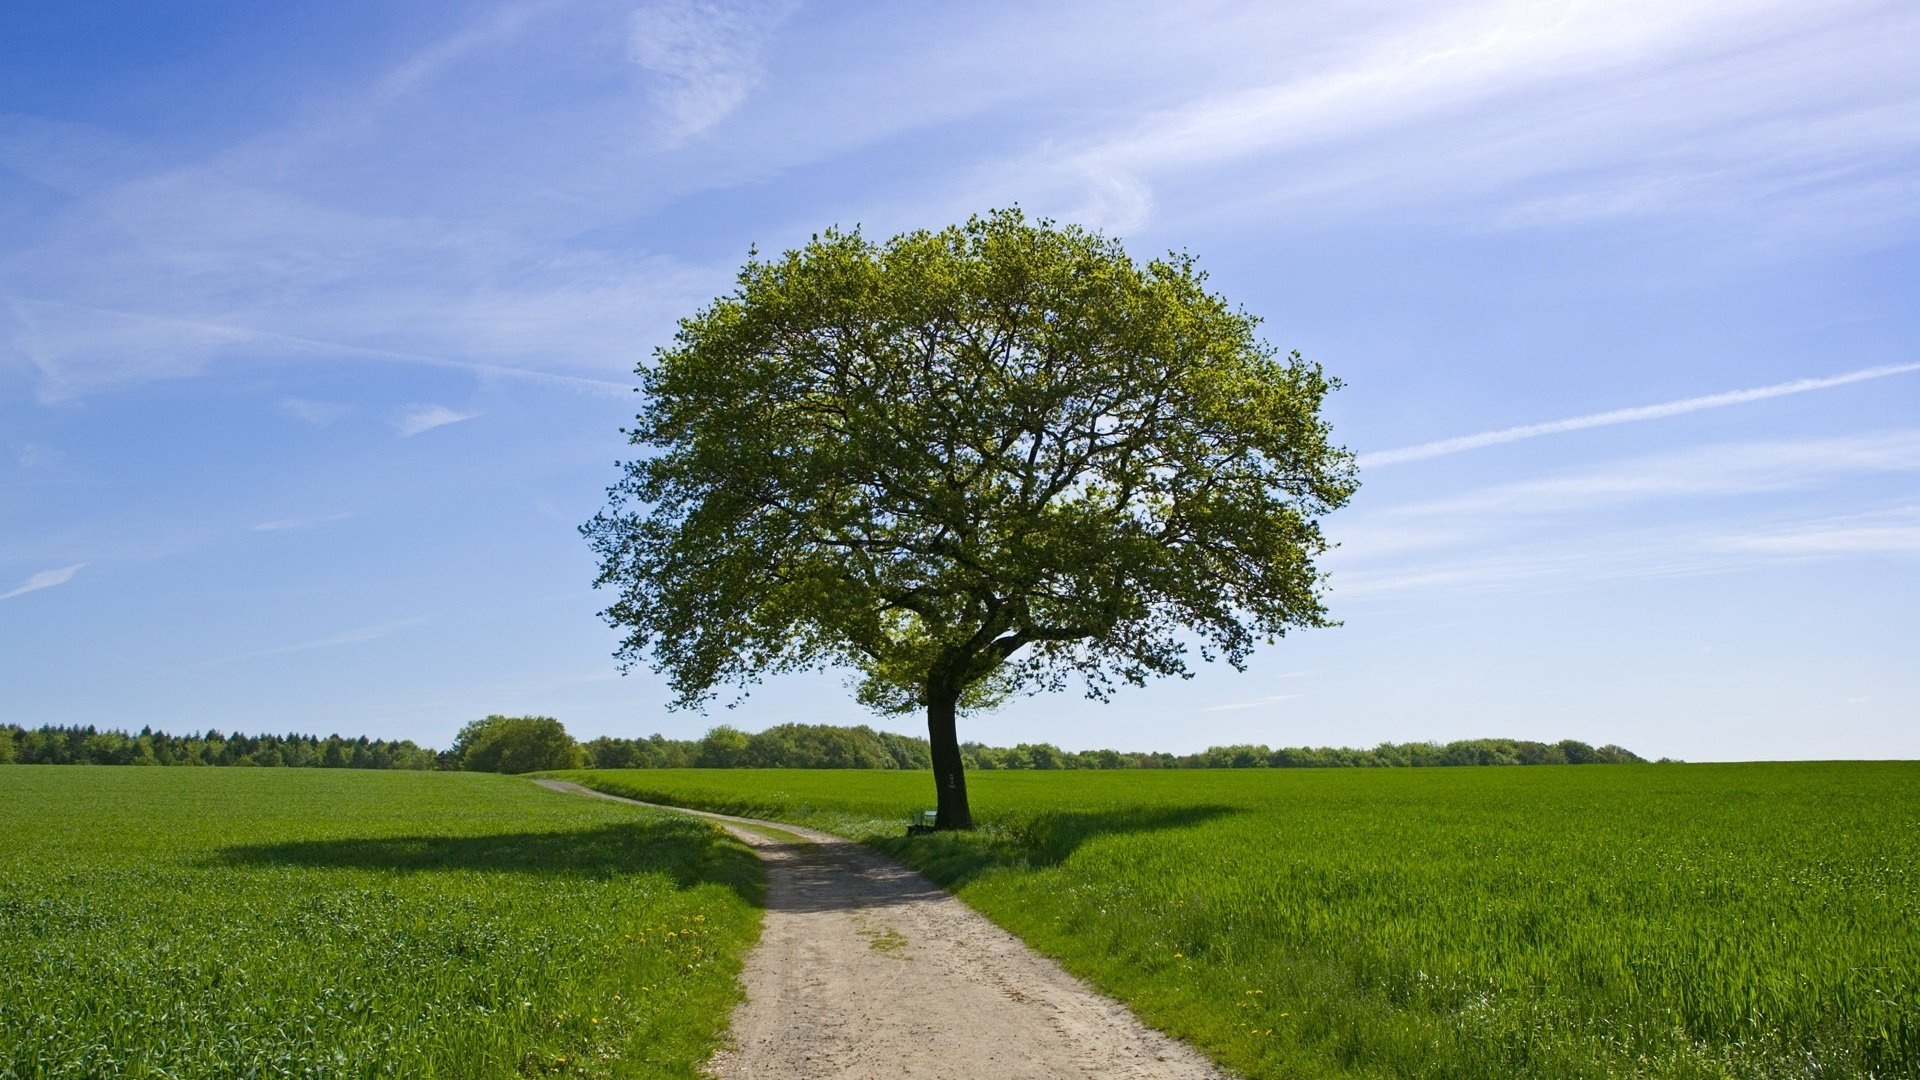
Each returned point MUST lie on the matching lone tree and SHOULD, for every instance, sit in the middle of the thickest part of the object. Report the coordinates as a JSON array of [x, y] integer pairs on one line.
[[967, 462]]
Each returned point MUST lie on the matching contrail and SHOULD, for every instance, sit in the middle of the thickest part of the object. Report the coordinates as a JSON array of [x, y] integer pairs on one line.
[[1462, 443]]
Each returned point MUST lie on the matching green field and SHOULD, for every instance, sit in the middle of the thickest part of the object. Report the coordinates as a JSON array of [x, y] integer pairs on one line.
[[1672, 920], [281, 922]]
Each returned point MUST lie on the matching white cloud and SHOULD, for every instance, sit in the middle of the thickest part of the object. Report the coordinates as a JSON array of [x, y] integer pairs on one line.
[[1438, 65], [704, 57], [1115, 203], [45, 579], [427, 417], [1501, 114], [1462, 443], [433, 214]]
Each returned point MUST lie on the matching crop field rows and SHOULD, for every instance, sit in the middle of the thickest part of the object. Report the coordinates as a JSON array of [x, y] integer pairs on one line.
[[1674, 921]]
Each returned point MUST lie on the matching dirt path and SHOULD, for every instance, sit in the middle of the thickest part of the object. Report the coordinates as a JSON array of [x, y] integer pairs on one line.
[[867, 969]]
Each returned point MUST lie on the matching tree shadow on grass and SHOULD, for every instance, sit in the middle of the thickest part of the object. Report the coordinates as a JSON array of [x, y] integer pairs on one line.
[[687, 852], [1033, 841]]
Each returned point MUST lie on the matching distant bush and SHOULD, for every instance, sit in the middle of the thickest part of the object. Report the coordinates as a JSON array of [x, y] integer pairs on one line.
[[516, 744]]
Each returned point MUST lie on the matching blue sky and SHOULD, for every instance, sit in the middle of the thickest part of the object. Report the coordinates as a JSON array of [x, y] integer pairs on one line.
[[318, 322]]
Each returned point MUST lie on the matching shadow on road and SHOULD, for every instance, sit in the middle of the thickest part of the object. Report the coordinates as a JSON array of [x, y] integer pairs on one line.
[[1042, 840], [838, 874]]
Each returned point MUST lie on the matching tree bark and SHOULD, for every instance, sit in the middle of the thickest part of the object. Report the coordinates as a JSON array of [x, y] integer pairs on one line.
[[949, 773]]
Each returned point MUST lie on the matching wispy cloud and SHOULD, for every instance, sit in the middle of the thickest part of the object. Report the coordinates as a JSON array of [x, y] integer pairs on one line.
[[1562, 562], [292, 524], [38, 456], [1608, 522], [427, 417], [350, 637], [1422, 68], [81, 348], [314, 240], [1896, 533], [1533, 114], [1235, 706], [704, 56], [1544, 566], [45, 579], [318, 414], [1463, 443], [308, 240], [1715, 471], [111, 346]]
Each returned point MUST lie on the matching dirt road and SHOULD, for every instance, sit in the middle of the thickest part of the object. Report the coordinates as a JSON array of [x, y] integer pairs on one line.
[[865, 969]]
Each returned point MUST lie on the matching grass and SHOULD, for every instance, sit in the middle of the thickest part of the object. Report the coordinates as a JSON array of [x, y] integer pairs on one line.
[[1676, 921], [239, 922]]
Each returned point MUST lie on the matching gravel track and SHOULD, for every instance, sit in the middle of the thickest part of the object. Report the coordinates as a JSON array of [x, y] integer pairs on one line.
[[865, 969]]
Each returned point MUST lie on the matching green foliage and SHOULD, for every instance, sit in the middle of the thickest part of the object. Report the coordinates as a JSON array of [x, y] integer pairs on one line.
[[653, 752], [88, 745], [995, 456], [516, 744], [725, 747], [1679, 921], [825, 746], [239, 922], [784, 746]]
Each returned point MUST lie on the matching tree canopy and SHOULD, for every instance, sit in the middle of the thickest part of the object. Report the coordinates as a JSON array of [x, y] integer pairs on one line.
[[516, 744], [998, 456]]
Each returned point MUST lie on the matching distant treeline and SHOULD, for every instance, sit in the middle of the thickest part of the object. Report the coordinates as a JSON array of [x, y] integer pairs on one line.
[[488, 745], [784, 746], [820, 746], [89, 746]]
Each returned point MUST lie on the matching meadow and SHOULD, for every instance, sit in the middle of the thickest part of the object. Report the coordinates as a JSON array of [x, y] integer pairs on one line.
[[1757, 920], [251, 922]]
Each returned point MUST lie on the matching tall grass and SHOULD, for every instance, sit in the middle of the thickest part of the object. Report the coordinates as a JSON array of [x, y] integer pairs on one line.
[[235, 922], [1683, 921]]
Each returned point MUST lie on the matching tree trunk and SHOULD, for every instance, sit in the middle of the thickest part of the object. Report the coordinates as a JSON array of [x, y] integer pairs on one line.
[[949, 774]]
